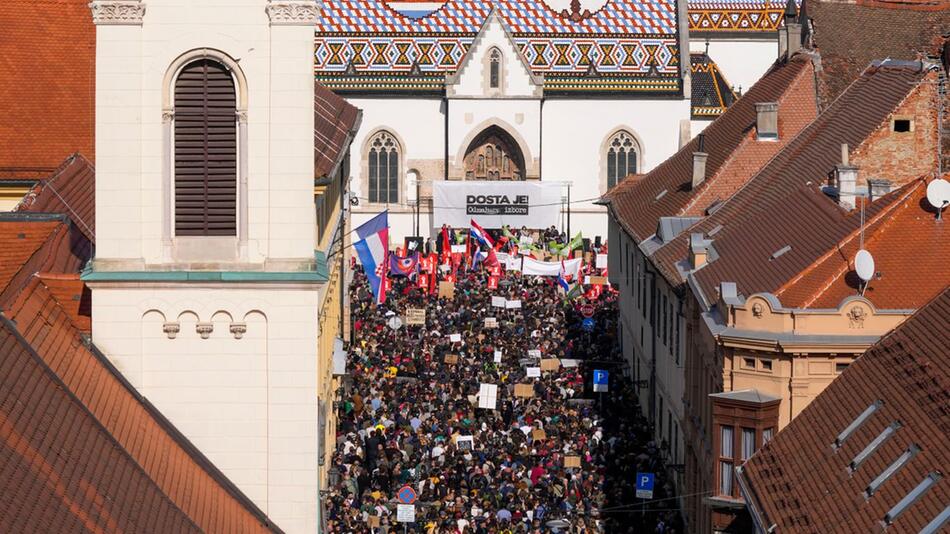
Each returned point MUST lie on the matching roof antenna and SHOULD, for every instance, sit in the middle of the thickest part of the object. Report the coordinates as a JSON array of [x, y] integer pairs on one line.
[[863, 261]]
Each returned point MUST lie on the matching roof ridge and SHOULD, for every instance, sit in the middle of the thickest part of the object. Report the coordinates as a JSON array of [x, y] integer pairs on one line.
[[10, 293], [11, 327]]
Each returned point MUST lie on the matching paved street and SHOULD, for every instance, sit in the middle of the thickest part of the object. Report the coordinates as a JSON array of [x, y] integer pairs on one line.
[[412, 404]]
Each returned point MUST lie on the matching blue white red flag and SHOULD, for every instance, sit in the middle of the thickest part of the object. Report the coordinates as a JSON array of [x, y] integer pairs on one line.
[[480, 235], [408, 266], [373, 251]]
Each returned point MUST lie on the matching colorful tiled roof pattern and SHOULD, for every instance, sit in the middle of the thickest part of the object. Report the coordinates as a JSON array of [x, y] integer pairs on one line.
[[103, 406], [734, 153], [910, 249], [755, 221], [636, 39], [711, 93], [47, 94], [800, 482], [70, 190]]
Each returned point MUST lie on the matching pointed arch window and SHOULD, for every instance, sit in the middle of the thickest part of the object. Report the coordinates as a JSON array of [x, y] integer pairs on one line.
[[383, 157], [622, 158], [205, 148], [494, 66]]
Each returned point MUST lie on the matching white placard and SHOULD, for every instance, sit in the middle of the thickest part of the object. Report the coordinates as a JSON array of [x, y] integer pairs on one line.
[[491, 322], [458, 249], [495, 204], [534, 353], [455, 338], [570, 363], [497, 356], [513, 263], [406, 513], [601, 262], [533, 372], [487, 396], [498, 302], [465, 443], [513, 304], [586, 280]]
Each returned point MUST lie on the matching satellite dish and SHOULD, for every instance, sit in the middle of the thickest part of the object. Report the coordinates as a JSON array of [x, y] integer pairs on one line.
[[938, 193], [864, 265]]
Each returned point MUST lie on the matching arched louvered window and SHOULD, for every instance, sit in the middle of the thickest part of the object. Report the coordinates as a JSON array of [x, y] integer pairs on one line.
[[205, 150], [495, 69], [383, 169], [622, 152]]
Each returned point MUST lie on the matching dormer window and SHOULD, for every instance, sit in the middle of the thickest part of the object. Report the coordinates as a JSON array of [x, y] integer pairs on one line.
[[495, 69]]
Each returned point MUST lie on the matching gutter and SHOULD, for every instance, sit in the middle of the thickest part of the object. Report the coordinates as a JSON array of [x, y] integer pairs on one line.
[[759, 518]]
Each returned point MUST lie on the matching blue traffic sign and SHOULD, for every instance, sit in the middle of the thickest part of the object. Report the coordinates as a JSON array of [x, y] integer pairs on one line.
[[601, 379], [588, 324], [406, 495], [645, 485]]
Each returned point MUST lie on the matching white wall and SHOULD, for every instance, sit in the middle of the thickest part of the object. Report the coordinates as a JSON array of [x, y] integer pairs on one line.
[[742, 61], [249, 404], [520, 118]]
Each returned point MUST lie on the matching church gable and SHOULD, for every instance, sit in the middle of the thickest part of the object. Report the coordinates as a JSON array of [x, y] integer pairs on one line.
[[494, 67]]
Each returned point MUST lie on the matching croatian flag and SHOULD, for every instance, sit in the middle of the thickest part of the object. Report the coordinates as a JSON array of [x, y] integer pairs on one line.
[[479, 234], [373, 250]]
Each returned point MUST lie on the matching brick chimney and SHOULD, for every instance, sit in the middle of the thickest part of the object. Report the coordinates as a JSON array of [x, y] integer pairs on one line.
[[766, 121], [699, 162], [698, 250]]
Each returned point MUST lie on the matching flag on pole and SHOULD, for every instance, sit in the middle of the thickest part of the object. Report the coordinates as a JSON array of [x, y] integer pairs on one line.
[[408, 266], [373, 251], [480, 235]]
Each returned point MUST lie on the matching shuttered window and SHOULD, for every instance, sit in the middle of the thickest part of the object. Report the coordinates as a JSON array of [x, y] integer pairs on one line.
[[205, 151]]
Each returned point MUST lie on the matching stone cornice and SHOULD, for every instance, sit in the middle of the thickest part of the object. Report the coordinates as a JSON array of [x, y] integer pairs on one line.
[[117, 12], [293, 12]]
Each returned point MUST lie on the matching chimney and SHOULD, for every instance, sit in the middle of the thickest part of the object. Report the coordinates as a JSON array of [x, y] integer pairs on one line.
[[766, 121], [790, 34], [846, 177], [877, 188], [699, 162], [698, 250]]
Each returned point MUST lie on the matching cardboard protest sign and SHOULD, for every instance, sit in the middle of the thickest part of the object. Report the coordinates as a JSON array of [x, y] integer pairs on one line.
[[491, 322], [598, 281], [538, 434], [533, 372], [447, 290], [551, 364], [488, 396], [451, 359], [373, 521], [572, 461], [524, 390], [415, 316], [498, 302]]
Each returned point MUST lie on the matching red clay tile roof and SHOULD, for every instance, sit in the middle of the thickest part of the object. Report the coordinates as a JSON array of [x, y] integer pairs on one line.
[[801, 484], [30, 244], [894, 30], [783, 204], [910, 249], [72, 295], [60, 469], [47, 94], [335, 122], [71, 189], [734, 154], [179, 471]]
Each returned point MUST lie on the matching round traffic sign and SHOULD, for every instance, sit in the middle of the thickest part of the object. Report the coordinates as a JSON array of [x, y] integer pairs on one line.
[[406, 495], [587, 310]]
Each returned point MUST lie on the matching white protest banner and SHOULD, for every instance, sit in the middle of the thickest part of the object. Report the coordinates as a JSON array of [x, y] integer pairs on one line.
[[455, 338], [497, 356], [494, 204], [534, 353], [601, 262], [498, 302], [513, 304], [487, 396], [534, 267], [533, 372], [570, 363], [458, 249], [513, 263]]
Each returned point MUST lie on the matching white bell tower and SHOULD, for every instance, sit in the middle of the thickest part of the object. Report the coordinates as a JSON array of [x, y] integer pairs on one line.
[[205, 281]]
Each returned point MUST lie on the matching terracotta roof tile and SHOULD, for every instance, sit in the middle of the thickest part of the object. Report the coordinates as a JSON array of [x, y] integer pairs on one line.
[[734, 154], [893, 30], [800, 483], [909, 247], [48, 68], [30, 244], [60, 469], [174, 465], [335, 122], [72, 295], [71, 189], [783, 204]]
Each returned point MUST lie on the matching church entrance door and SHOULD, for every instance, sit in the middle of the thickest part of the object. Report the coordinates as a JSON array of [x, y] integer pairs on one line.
[[494, 155]]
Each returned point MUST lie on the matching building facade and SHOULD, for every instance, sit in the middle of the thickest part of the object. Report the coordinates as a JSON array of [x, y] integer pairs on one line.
[[505, 90]]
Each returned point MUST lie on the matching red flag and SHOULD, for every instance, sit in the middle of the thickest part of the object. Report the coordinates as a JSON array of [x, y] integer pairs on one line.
[[446, 242], [495, 270], [422, 281], [492, 282]]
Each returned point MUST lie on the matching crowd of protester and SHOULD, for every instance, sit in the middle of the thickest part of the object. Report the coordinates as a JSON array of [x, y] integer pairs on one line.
[[412, 392]]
